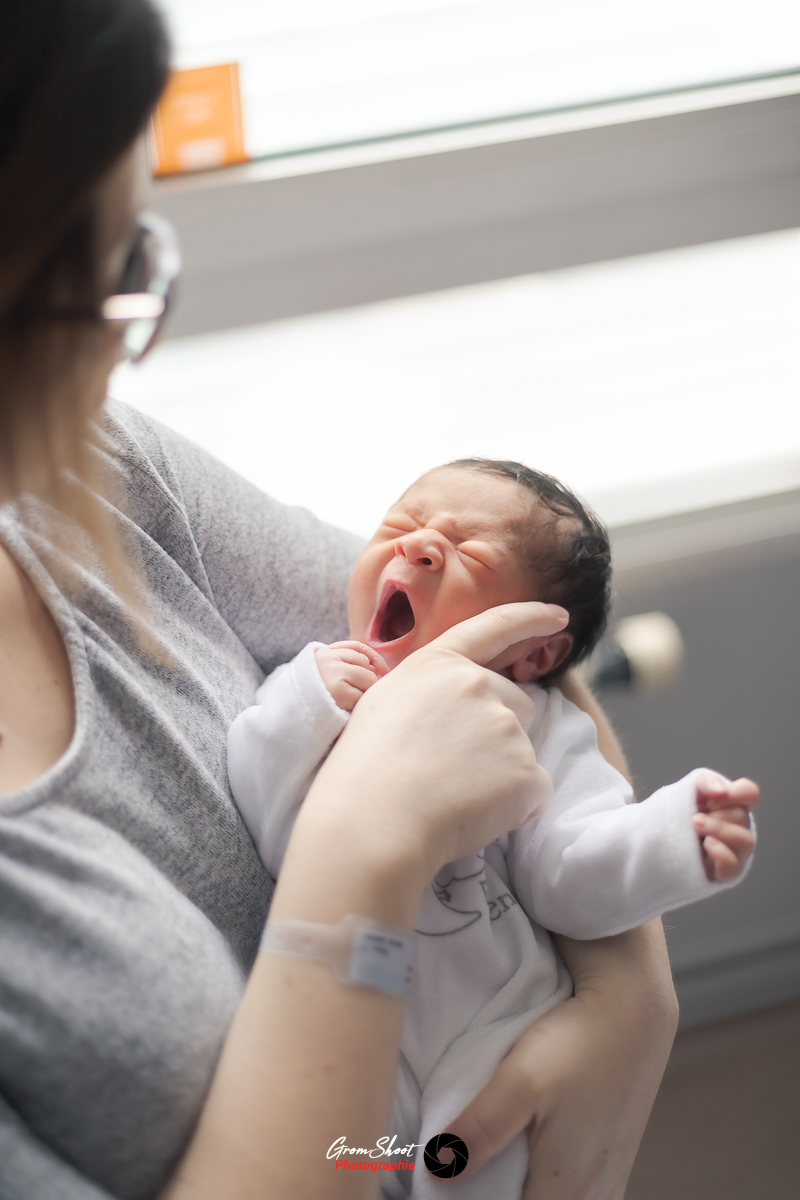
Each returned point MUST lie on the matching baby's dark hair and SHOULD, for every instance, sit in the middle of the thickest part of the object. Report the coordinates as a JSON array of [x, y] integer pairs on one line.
[[574, 564]]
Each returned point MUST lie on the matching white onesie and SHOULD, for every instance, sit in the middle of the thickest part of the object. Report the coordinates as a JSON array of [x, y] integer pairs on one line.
[[591, 865]]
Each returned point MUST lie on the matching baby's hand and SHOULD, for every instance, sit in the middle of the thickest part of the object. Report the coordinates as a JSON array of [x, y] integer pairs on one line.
[[723, 824], [348, 669]]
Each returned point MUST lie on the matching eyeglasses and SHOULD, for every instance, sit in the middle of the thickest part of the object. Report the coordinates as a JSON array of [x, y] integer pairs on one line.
[[146, 285]]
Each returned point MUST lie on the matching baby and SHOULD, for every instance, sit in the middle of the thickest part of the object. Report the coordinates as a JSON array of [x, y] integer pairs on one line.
[[464, 538]]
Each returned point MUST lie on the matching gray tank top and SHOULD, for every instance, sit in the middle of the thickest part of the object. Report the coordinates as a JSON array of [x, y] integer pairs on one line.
[[131, 896]]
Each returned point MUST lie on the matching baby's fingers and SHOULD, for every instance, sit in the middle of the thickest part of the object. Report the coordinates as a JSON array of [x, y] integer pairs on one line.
[[722, 865], [729, 816], [727, 827], [726, 846], [352, 651], [358, 677], [715, 792]]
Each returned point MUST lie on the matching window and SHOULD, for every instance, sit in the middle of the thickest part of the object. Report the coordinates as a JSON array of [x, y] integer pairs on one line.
[[652, 385], [320, 73], [660, 360]]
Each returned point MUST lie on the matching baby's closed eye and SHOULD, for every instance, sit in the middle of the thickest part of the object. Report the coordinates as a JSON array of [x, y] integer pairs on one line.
[[480, 552], [396, 524]]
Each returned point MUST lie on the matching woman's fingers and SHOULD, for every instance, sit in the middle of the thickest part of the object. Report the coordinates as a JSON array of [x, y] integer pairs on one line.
[[505, 1107], [484, 637]]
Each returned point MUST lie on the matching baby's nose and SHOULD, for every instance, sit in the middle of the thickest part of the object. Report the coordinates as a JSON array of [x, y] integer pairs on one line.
[[422, 549]]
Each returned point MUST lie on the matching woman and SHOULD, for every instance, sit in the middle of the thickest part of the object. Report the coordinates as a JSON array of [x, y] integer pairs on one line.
[[141, 1052]]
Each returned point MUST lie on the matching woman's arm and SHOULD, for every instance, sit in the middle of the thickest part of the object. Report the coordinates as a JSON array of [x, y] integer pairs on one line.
[[581, 695], [628, 1017], [584, 1076], [309, 1059]]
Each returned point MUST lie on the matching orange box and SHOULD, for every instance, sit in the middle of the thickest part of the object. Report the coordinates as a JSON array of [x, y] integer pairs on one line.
[[198, 122]]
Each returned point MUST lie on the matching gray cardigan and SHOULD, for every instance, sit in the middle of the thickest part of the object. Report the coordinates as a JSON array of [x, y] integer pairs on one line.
[[131, 897]]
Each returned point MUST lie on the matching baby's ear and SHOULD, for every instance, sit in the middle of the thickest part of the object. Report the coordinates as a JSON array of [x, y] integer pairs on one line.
[[543, 659]]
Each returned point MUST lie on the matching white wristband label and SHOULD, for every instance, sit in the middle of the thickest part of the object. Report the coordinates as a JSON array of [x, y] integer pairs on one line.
[[358, 950], [382, 959]]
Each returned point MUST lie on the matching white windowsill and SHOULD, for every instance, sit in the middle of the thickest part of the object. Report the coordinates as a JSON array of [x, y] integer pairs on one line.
[[489, 133]]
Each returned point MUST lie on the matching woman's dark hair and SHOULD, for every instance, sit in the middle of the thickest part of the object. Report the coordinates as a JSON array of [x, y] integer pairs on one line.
[[572, 558], [78, 80]]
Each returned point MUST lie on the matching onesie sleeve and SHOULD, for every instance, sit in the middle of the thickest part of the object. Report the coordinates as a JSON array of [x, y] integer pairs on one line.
[[596, 864], [275, 749]]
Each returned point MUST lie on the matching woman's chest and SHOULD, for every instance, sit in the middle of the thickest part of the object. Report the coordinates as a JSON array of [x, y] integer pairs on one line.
[[131, 901], [116, 993]]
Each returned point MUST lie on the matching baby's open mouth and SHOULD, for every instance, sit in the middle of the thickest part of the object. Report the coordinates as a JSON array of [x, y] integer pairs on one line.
[[394, 618]]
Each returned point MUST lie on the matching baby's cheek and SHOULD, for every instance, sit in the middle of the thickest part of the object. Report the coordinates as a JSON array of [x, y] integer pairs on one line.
[[359, 610]]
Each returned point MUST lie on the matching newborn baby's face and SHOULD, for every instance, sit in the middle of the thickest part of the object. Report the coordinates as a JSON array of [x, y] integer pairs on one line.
[[446, 551]]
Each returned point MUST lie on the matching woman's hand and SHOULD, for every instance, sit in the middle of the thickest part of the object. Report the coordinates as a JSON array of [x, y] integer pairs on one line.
[[434, 763], [585, 1075]]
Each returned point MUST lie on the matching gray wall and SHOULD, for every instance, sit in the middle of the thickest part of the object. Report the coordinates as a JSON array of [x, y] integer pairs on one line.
[[734, 708]]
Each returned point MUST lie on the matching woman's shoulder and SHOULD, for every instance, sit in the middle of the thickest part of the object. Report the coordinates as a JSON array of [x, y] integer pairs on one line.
[[128, 427], [276, 574], [155, 460], [140, 448]]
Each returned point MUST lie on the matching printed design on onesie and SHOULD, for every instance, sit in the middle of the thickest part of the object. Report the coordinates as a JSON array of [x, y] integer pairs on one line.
[[457, 896], [461, 892]]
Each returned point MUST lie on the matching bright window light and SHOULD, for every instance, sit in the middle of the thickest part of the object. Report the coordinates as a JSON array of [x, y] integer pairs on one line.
[[318, 73], [651, 385]]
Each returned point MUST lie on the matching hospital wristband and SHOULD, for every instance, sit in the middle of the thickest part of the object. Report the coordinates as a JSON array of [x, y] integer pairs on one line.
[[358, 950]]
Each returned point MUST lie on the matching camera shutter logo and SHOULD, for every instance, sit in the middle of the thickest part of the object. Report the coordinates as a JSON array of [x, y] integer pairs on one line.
[[446, 1141]]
